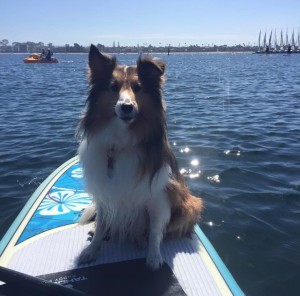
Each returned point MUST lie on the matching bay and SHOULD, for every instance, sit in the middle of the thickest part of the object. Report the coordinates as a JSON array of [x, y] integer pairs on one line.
[[234, 124]]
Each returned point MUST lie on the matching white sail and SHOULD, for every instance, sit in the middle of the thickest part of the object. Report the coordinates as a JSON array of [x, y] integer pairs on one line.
[[270, 40], [259, 46], [293, 44], [281, 41], [275, 41], [286, 39], [265, 41]]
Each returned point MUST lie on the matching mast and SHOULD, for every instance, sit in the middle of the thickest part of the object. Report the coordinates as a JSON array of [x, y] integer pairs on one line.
[[259, 48]]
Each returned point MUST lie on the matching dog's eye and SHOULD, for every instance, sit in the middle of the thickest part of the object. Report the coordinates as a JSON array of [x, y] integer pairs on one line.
[[115, 87], [136, 87]]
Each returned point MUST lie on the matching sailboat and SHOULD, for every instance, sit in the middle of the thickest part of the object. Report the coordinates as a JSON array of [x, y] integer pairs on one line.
[[293, 44], [264, 47], [286, 39], [275, 42], [265, 41], [285, 46], [270, 42], [259, 46], [281, 42]]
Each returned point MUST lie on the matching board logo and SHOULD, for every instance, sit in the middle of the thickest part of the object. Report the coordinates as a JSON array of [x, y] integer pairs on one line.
[[68, 280]]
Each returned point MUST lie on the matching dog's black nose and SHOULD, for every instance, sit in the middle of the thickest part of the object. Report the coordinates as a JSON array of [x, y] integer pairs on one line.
[[126, 108]]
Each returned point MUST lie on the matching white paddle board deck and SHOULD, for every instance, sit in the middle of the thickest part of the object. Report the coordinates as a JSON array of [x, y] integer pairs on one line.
[[45, 240]]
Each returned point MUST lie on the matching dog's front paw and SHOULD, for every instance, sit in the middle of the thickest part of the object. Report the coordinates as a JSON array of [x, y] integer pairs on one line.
[[89, 254], [154, 261]]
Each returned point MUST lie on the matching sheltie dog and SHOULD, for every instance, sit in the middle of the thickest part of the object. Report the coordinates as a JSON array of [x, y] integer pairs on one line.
[[130, 171]]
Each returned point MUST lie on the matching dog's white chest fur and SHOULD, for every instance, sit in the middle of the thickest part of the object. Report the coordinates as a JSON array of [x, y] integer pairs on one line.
[[110, 162]]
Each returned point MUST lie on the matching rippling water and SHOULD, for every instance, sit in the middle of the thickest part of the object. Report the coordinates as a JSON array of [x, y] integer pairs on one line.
[[234, 123]]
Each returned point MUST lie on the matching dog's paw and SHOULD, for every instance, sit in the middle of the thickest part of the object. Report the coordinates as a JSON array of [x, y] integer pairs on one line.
[[154, 261], [88, 255]]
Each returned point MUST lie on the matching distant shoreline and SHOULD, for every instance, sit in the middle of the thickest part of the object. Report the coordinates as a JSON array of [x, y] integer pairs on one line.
[[154, 52], [32, 47]]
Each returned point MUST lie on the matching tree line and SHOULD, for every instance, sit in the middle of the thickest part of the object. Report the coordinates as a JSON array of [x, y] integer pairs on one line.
[[29, 47]]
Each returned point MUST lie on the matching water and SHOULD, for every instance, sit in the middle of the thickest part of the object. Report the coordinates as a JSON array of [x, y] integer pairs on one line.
[[234, 123]]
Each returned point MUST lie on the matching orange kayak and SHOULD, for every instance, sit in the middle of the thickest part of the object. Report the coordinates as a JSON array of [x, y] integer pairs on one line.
[[35, 59]]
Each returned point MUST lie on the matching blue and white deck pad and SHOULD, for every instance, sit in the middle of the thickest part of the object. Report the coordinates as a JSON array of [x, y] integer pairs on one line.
[[62, 205]]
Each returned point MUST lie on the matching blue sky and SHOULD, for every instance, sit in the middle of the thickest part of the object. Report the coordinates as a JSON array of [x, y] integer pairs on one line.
[[155, 22]]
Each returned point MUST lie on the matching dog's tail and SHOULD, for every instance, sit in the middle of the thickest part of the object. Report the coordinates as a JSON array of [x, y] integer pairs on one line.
[[88, 214]]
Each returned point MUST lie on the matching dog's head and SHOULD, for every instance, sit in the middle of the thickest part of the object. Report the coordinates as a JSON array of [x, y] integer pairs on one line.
[[132, 94]]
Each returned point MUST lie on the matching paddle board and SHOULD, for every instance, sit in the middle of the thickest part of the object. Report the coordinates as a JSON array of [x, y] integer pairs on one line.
[[41, 246]]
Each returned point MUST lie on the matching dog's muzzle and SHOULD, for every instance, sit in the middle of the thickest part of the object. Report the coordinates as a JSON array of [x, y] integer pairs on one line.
[[125, 111]]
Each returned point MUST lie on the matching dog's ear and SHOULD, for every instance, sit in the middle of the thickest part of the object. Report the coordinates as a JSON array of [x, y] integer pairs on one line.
[[151, 71], [101, 66]]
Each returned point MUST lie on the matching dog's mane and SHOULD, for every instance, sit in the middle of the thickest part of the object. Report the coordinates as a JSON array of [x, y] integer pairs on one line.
[[151, 138]]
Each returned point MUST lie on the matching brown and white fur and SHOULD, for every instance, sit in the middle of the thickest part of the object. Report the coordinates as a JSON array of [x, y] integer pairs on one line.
[[129, 168]]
